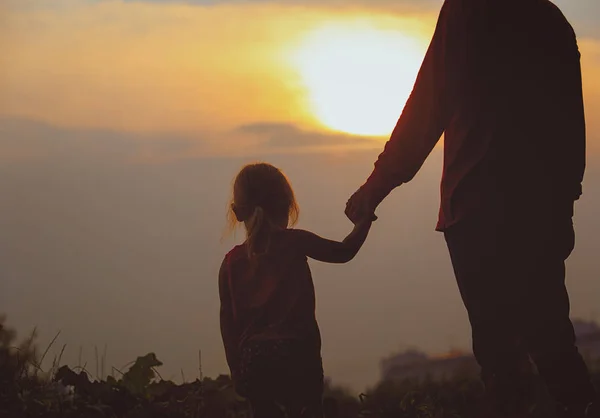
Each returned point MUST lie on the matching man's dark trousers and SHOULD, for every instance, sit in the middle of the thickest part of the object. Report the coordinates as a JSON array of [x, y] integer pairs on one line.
[[510, 269]]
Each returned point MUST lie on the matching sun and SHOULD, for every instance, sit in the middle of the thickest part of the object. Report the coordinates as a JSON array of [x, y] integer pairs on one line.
[[357, 77]]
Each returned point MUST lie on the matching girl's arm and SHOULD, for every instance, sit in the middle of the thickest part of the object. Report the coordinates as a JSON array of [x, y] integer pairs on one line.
[[228, 328], [329, 251]]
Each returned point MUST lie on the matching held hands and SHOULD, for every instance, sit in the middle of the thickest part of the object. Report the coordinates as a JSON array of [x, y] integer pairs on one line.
[[359, 208]]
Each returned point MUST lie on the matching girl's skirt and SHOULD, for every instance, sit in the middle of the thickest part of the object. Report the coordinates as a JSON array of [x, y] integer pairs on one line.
[[285, 372]]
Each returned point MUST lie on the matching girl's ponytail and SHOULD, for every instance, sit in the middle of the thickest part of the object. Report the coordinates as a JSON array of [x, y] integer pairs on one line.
[[257, 226]]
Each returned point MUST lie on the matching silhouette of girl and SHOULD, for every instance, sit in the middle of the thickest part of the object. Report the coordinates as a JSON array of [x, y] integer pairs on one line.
[[270, 333]]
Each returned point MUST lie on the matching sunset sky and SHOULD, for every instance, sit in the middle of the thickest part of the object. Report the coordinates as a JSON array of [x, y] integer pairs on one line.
[[122, 124]]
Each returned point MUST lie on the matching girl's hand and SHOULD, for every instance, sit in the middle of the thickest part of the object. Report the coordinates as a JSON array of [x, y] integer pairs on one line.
[[367, 219], [360, 206]]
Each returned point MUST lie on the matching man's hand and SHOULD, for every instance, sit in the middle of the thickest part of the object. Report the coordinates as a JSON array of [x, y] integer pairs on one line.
[[360, 206]]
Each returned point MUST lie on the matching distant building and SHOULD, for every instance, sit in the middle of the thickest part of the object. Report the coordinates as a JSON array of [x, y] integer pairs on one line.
[[588, 339], [416, 365]]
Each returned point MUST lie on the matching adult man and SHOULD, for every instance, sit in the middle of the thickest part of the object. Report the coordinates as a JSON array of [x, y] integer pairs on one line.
[[502, 80]]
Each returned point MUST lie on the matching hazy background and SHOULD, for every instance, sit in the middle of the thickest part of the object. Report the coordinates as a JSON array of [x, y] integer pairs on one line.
[[123, 123]]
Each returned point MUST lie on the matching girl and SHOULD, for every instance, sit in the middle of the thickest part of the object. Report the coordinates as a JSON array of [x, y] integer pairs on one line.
[[268, 324]]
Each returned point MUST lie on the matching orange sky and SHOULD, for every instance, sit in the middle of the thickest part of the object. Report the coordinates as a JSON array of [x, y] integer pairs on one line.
[[159, 67]]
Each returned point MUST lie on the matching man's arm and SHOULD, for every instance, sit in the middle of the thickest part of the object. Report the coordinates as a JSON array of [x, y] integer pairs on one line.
[[428, 110], [228, 328]]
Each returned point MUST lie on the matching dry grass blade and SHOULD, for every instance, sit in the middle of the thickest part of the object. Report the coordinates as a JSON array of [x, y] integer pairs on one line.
[[47, 349], [33, 335], [157, 373], [62, 351], [53, 364], [35, 366], [128, 364], [82, 369], [103, 362], [115, 369], [97, 368], [56, 362], [200, 365]]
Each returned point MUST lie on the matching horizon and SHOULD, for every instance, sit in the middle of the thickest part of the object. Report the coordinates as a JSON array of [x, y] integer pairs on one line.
[[123, 124]]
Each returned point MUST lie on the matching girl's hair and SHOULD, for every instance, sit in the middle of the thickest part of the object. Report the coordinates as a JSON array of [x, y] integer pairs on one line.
[[262, 198]]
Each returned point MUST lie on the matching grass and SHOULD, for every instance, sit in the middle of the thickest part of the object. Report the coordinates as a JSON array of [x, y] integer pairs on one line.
[[137, 390]]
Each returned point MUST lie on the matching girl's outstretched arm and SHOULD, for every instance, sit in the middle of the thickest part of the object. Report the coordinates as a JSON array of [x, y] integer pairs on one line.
[[329, 251], [228, 328]]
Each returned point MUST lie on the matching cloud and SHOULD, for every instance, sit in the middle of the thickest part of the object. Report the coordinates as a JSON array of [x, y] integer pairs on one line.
[[26, 139], [283, 135]]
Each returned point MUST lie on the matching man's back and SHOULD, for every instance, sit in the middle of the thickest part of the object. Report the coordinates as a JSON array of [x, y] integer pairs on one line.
[[518, 130], [502, 80]]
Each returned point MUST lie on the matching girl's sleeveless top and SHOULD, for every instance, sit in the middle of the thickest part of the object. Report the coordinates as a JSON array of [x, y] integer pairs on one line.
[[272, 298]]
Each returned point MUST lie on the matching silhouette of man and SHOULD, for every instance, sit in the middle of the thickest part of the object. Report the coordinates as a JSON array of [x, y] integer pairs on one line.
[[502, 80]]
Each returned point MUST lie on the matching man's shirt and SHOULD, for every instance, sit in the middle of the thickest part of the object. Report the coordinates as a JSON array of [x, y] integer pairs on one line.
[[501, 80]]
